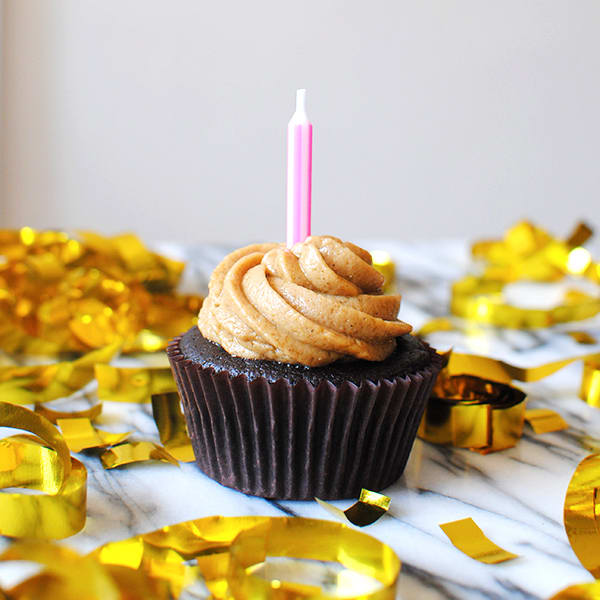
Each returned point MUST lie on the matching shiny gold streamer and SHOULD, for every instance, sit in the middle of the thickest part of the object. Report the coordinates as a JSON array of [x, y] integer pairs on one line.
[[474, 413], [120, 384], [41, 463], [545, 420], [133, 452], [582, 513], [70, 576], [172, 430], [370, 507], [498, 370], [469, 539], [225, 551], [42, 383]]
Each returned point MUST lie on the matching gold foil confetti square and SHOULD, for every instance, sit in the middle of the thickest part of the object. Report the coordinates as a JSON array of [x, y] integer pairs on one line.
[[469, 539], [370, 507]]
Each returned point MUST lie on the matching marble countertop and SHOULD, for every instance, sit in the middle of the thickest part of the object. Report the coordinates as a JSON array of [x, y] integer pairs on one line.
[[516, 496]]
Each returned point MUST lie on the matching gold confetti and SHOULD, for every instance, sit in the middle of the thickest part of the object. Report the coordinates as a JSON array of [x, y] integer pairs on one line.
[[121, 384], [171, 426], [526, 253], [368, 509], [582, 591], [80, 434], [545, 420], [71, 294], [133, 452], [92, 413], [469, 539], [42, 383], [581, 337], [581, 513], [40, 463]]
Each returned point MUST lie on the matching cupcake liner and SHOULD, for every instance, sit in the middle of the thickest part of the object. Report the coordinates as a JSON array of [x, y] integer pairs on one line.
[[297, 441]]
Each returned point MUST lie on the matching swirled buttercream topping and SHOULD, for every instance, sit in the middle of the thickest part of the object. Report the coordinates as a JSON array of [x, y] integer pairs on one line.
[[312, 304]]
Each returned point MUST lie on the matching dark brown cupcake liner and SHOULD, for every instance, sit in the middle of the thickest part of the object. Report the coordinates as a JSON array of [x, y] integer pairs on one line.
[[297, 441]]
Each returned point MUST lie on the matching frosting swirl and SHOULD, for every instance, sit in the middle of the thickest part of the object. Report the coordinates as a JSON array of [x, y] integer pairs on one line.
[[312, 304]]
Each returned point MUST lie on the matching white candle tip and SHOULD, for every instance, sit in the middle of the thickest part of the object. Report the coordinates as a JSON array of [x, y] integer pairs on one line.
[[301, 101]]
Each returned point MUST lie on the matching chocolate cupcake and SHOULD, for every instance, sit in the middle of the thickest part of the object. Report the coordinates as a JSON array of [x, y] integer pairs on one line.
[[299, 380]]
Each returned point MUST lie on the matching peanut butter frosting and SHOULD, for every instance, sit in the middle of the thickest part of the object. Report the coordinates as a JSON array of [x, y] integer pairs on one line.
[[312, 304]]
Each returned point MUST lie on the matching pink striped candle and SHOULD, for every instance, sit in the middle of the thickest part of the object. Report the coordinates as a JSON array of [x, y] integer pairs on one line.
[[299, 173]]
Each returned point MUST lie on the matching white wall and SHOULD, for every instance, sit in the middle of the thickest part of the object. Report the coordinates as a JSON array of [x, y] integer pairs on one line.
[[432, 117]]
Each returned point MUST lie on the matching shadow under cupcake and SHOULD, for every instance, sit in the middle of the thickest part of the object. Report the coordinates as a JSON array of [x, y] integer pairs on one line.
[[299, 380]]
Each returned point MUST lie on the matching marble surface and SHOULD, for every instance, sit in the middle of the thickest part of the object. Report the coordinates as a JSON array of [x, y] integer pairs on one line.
[[516, 496]]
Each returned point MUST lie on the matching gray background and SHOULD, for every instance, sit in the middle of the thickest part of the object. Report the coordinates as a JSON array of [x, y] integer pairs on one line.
[[433, 118]]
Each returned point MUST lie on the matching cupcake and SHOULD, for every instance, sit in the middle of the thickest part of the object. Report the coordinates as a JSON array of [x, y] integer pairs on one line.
[[299, 380]]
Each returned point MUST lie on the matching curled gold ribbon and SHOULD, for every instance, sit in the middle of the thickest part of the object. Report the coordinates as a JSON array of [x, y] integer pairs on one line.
[[582, 513], [458, 363], [137, 384], [368, 509], [226, 549], [42, 463], [470, 412], [70, 576], [226, 552]]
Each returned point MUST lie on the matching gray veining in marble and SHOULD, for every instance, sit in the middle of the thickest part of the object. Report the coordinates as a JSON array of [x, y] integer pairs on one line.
[[516, 496]]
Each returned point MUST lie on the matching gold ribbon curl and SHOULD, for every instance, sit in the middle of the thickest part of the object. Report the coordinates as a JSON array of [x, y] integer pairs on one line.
[[41, 463], [223, 550], [474, 413], [470, 408], [582, 513]]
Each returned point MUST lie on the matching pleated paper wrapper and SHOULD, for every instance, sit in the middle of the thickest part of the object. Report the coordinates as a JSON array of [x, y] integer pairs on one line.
[[297, 441]]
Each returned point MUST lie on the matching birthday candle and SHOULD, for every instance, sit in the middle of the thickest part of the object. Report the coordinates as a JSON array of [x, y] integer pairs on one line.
[[299, 173]]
